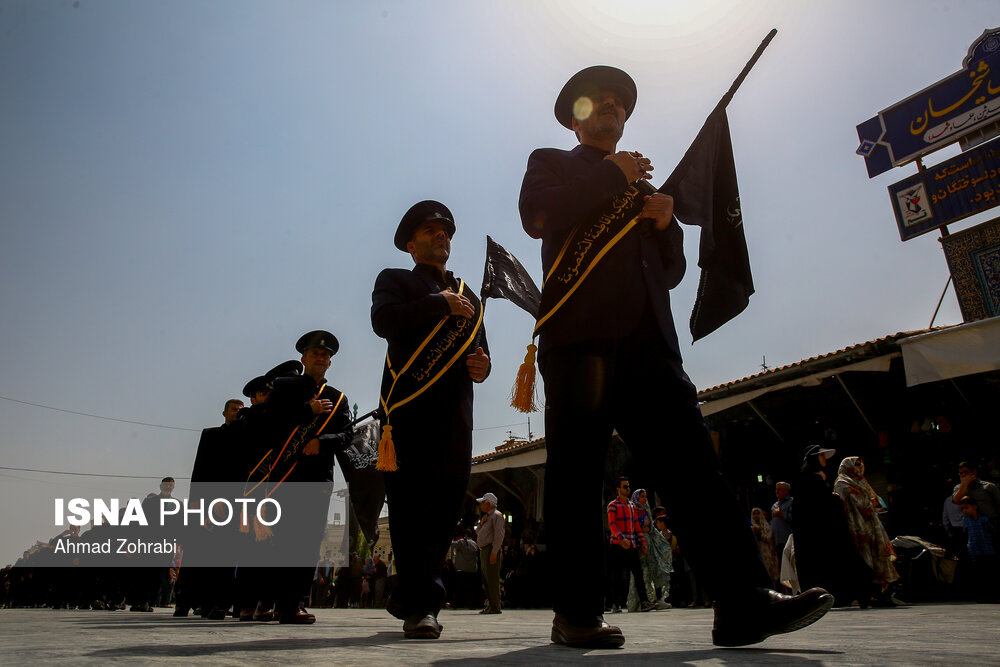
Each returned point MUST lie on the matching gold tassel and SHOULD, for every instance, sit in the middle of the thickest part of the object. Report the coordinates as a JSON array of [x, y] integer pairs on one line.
[[260, 531], [386, 451], [522, 396]]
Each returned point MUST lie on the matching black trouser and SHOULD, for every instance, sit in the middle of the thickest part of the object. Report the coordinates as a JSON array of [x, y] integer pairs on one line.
[[635, 385], [425, 498], [206, 578], [625, 562], [255, 572], [299, 542]]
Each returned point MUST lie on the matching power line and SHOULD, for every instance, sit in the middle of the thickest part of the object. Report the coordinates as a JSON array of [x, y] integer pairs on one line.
[[95, 474], [176, 428], [85, 474], [87, 414], [487, 428]]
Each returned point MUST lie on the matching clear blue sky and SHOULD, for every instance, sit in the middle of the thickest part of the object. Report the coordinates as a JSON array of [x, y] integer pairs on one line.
[[186, 187]]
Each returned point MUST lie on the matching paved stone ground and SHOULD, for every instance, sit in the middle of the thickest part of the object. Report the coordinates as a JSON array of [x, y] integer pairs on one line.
[[954, 634]]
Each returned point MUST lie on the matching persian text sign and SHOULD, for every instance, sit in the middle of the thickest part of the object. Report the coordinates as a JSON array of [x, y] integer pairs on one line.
[[938, 115], [957, 188]]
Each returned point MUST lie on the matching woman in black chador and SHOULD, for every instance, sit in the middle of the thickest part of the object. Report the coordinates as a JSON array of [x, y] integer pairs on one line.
[[824, 549]]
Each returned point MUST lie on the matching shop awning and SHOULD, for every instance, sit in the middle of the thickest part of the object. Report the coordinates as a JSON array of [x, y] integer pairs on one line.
[[878, 364], [961, 350]]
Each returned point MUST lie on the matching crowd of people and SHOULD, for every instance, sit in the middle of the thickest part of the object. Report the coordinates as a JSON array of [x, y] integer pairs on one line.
[[832, 533], [362, 583], [50, 574], [649, 574]]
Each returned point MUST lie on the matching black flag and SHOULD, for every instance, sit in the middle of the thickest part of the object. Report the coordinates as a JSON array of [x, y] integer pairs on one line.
[[706, 194], [505, 278], [365, 484], [704, 187]]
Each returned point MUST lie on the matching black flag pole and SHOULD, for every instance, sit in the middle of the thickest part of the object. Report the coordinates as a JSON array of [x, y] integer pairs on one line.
[[376, 413], [724, 102], [706, 194], [678, 172]]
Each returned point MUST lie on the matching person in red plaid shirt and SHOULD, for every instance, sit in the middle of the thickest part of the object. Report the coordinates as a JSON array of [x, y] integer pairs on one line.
[[627, 542]]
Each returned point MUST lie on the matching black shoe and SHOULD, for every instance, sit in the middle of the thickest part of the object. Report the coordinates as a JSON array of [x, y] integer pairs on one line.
[[739, 623], [592, 633], [217, 614], [422, 627], [142, 606]]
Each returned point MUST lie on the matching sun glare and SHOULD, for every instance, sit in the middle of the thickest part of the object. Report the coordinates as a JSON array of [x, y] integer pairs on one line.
[[646, 18], [583, 107]]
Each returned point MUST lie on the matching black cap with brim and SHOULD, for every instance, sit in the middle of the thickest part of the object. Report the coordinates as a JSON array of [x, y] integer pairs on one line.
[[418, 214], [591, 81], [319, 338], [816, 450], [259, 383], [289, 368]]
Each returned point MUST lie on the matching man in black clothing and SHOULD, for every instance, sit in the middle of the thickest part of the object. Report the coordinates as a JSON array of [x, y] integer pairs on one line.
[[197, 586], [436, 350], [303, 465], [610, 359], [145, 582], [256, 431]]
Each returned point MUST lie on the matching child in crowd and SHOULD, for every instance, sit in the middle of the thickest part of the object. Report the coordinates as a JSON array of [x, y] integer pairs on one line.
[[982, 550], [660, 539]]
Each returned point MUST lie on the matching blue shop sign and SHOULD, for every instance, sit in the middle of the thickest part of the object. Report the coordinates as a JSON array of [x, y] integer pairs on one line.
[[957, 188], [938, 115]]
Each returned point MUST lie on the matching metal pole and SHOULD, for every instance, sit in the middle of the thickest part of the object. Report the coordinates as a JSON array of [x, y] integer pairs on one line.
[[943, 292], [509, 490], [764, 419], [960, 393], [860, 411]]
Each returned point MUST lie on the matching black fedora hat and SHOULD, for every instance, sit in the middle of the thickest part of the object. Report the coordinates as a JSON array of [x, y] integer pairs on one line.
[[418, 214], [591, 81], [259, 383], [318, 338], [288, 368]]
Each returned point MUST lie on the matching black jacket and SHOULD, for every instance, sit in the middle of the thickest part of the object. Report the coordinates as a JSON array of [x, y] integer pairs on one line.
[[212, 462], [287, 406], [560, 190], [405, 308]]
